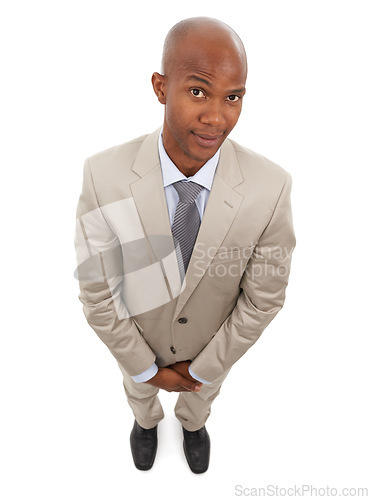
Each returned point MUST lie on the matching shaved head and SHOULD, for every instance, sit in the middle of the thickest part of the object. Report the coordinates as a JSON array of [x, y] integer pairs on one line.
[[198, 29]]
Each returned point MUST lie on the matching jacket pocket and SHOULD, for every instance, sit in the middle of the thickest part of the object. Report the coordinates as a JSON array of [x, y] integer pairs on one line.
[[139, 328]]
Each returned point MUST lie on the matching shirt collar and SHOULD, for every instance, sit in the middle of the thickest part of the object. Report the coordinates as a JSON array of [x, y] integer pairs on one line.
[[171, 174]]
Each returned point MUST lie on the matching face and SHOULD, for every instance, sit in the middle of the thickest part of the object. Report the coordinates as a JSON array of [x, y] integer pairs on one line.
[[202, 93]]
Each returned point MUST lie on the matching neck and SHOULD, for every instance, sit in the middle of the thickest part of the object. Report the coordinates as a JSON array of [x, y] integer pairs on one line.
[[187, 165]]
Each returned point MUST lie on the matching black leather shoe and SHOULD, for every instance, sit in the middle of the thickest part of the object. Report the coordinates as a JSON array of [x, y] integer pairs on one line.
[[196, 446], [144, 443]]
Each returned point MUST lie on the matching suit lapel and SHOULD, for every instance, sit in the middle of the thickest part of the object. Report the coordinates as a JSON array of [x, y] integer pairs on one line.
[[149, 197], [220, 211]]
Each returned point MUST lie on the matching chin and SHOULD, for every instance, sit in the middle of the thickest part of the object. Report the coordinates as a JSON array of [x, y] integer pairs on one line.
[[202, 158], [199, 153]]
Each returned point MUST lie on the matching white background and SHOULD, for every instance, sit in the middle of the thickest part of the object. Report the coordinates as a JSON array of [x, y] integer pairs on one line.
[[75, 80]]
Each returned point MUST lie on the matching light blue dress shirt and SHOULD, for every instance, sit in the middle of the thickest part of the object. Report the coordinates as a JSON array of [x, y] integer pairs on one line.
[[171, 174]]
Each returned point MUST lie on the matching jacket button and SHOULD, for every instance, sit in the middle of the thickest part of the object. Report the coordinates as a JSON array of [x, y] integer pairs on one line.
[[173, 350], [182, 321]]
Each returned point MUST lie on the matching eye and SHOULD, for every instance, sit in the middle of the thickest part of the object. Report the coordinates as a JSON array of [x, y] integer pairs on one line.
[[197, 93], [233, 98]]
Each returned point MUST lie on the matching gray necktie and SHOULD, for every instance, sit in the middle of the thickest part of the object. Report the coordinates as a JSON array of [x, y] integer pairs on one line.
[[186, 222]]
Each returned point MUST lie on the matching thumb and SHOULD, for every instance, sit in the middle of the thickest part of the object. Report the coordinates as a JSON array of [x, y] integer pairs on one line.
[[191, 386]]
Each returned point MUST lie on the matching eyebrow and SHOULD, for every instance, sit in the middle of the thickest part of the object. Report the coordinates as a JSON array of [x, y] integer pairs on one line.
[[199, 79], [209, 84]]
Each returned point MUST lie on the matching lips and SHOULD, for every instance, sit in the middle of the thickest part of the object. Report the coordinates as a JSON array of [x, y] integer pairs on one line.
[[206, 140]]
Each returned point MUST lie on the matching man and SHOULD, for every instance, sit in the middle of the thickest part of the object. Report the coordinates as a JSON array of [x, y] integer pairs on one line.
[[184, 241]]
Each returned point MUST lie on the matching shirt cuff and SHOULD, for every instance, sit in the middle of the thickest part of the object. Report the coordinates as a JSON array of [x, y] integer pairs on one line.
[[193, 375], [147, 374]]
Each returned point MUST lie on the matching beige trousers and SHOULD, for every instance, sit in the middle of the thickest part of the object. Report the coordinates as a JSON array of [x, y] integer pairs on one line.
[[192, 408]]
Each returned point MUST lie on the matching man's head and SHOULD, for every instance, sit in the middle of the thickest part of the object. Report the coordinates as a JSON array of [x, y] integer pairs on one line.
[[204, 70]]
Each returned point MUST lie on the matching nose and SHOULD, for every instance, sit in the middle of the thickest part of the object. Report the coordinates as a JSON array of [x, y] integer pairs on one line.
[[211, 114]]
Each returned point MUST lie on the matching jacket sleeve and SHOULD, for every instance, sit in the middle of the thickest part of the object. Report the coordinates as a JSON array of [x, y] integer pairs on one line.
[[99, 271], [262, 294]]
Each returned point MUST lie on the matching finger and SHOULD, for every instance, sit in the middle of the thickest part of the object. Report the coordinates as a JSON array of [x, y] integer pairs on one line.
[[191, 386], [182, 388]]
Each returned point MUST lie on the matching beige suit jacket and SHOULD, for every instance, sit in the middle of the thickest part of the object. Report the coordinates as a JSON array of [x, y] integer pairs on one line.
[[129, 279]]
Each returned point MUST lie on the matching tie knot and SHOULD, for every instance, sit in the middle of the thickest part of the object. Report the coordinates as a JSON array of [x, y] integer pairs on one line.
[[187, 191]]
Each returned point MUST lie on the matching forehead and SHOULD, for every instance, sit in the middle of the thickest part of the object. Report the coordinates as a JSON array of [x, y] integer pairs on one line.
[[201, 56]]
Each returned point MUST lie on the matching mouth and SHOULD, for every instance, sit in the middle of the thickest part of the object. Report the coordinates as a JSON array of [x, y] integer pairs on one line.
[[206, 140]]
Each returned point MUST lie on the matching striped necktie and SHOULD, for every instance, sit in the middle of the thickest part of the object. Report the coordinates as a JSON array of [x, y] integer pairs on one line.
[[186, 222]]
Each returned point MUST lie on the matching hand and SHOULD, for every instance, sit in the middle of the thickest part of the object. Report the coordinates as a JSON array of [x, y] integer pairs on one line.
[[182, 368], [173, 381]]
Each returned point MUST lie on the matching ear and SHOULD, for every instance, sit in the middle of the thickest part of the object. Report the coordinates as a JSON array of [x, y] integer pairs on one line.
[[159, 85]]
